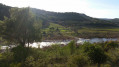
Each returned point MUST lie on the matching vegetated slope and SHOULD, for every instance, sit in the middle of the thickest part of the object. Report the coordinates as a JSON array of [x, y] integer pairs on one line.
[[76, 22], [68, 19], [56, 32], [116, 20], [73, 20]]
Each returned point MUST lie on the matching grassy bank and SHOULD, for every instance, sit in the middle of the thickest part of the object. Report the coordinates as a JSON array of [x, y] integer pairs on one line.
[[55, 31], [99, 32]]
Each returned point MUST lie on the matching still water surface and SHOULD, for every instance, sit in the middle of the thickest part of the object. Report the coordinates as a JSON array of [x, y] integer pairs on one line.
[[79, 41]]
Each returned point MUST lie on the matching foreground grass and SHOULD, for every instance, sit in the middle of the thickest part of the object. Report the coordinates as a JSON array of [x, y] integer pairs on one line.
[[72, 55]]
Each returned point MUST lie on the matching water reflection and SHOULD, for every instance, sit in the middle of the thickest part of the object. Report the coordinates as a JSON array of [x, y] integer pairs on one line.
[[96, 40], [79, 41], [42, 44]]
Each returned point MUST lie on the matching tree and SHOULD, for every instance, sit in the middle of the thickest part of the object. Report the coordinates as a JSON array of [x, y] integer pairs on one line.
[[22, 27]]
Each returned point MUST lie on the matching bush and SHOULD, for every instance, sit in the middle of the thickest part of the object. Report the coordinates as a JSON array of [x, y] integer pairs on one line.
[[77, 61], [20, 53], [95, 54], [72, 47], [30, 62], [15, 65], [110, 45]]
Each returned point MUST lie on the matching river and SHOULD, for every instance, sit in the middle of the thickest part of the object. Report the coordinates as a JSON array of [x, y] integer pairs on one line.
[[65, 42], [79, 41]]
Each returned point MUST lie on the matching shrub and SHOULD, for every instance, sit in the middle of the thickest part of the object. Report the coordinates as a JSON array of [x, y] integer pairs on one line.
[[110, 45], [30, 62], [20, 53], [95, 54], [15, 65], [72, 47], [77, 61]]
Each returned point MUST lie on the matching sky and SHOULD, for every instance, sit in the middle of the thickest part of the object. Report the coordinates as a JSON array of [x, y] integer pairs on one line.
[[93, 8]]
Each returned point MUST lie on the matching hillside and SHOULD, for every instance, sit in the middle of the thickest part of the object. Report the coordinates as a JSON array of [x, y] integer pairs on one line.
[[68, 19], [31, 37], [71, 23], [74, 20]]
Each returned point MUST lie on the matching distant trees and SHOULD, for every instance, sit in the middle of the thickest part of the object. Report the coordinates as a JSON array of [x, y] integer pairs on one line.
[[54, 31], [4, 11], [22, 27]]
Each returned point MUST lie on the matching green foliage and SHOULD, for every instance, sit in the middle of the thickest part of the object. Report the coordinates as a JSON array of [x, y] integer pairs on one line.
[[8, 55], [1, 27], [77, 61], [15, 65], [75, 22], [95, 54], [71, 55], [72, 47], [21, 27], [110, 45], [20, 53], [6, 58], [30, 62], [113, 57]]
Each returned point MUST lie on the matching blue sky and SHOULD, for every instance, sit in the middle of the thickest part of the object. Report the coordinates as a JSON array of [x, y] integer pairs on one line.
[[93, 8]]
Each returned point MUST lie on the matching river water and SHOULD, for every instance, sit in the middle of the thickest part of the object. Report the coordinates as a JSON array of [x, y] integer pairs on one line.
[[79, 41]]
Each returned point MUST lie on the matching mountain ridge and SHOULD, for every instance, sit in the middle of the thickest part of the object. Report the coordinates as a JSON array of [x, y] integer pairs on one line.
[[68, 19]]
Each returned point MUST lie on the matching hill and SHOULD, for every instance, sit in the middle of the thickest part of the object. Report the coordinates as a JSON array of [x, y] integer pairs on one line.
[[72, 19], [71, 23], [68, 19]]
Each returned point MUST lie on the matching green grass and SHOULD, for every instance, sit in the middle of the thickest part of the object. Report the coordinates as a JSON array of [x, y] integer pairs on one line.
[[98, 30], [86, 32], [62, 29], [56, 25]]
